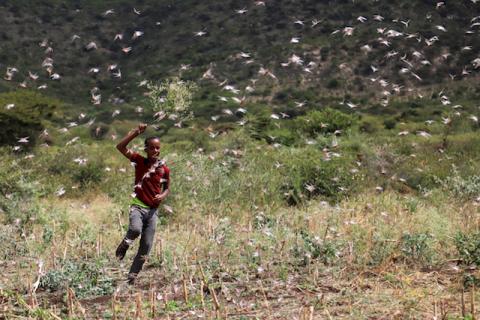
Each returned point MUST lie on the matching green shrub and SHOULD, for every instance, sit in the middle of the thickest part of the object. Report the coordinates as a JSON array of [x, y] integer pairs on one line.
[[27, 118], [332, 84], [99, 131], [11, 245], [313, 248], [389, 124], [85, 278], [368, 126], [89, 174], [461, 187], [18, 190], [468, 247], [286, 137], [416, 247], [381, 250], [257, 125], [306, 168]]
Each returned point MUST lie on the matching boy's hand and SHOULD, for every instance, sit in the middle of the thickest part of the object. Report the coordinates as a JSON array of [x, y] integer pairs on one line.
[[159, 198], [141, 128]]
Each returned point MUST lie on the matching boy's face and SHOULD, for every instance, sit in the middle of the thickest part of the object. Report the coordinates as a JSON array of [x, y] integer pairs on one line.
[[153, 149]]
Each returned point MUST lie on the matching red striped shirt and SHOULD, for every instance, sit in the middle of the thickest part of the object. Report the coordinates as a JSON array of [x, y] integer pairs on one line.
[[151, 178]]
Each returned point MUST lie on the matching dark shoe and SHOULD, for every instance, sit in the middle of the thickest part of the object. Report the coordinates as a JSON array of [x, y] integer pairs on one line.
[[122, 249], [131, 278]]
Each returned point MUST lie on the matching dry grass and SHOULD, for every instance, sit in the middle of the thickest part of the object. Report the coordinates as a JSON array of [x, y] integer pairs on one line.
[[251, 264]]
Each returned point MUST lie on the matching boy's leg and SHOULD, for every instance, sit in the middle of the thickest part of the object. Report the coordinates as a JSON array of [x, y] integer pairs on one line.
[[146, 242], [134, 229]]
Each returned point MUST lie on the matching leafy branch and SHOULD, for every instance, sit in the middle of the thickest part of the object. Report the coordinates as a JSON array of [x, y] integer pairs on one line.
[[172, 99]]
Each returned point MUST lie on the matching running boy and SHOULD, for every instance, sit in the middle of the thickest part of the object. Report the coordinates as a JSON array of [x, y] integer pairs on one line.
[[152, 179]]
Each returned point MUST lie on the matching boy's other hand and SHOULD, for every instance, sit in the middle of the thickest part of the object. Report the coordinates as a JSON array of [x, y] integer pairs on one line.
[[159, 198], [141, 128]]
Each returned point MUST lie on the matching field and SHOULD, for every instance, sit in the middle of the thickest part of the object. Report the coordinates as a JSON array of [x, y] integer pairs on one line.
[[324, 158]]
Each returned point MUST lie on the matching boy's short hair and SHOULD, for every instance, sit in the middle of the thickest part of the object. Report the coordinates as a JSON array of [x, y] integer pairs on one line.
[[148, 139]]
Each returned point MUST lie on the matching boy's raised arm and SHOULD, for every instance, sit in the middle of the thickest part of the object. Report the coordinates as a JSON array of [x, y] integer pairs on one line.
[[122, 145]]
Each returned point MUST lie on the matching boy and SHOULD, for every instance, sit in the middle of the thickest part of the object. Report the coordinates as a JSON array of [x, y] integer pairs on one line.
[[152, 179]]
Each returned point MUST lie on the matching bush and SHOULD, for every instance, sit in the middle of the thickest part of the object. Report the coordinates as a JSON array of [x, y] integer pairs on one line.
[[461, 187], [306, 168], [314, 248], [325, 121], [99, 131], [10, 244], [88, 174], [258, 124], [368, 127], [285, 137], [468, 247], [389, 124], [382, 250], [332, 84], [27, 118], [17, 192], [416, 247], [85, 278]]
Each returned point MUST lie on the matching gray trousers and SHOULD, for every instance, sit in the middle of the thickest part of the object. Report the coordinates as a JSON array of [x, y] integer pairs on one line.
[[143, 222]]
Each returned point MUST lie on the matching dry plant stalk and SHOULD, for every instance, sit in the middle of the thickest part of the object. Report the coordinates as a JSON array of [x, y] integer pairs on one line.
[[212, 291], [32, 295], [153, 309], [165, 299], [120, 224], [328, 314], [54, 316], [185, 289], [302, 314], [215, 299], [138, 309], [70, 305], [265, 299], [201, 296], [310, 313], [53, 256], [65, 250], [159, 249], [472, 302], [114, 304], [306, 313]]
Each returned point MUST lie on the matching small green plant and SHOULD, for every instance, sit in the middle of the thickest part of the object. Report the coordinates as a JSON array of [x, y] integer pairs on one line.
[[85, 278], [461, 187], [10, 244], [468, 247], [470, 280], [172, 306], [90, 173], [314, 248], [309, 175], [389, 124], [416, 247], [381, 250]]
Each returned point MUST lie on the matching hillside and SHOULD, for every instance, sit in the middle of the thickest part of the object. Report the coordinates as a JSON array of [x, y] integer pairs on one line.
[[271, 52], [329, 169]]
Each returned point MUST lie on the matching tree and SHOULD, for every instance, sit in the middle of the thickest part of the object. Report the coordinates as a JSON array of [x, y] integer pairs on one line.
[[172, 99]]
